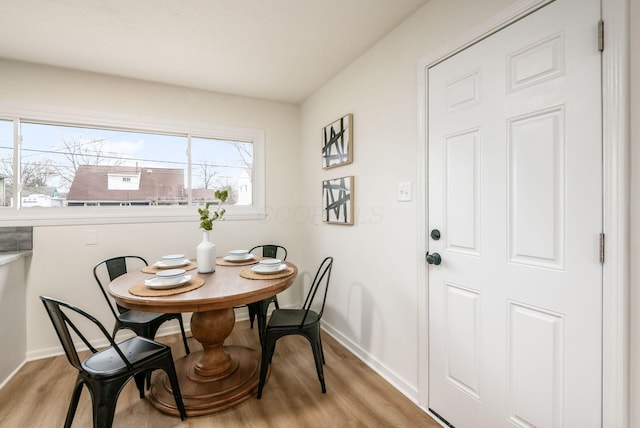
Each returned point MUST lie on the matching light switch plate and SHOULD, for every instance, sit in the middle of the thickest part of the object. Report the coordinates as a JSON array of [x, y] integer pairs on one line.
[[404, 191]]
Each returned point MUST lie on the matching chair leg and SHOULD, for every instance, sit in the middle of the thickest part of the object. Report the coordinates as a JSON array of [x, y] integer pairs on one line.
[[275, 302], [252, 313], [175, 387], [263, 376], [321, 349], [73, 405], [316, 346], [261, 313], [184, 336], [104, 398], [140, 378], [149, 331], [267, 352]]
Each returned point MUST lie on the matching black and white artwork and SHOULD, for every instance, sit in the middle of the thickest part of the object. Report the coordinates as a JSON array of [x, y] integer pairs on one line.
[[337, 142], [337, 200]]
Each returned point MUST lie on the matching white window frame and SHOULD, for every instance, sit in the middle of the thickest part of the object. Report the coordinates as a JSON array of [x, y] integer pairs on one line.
[[113, 215]]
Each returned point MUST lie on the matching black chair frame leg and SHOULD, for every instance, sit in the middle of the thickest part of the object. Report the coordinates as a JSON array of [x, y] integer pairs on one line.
[[73, 404]]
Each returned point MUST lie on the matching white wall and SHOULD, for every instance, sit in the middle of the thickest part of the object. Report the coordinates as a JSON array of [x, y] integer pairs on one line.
[[373, 303], [13, 331], [61, 263]]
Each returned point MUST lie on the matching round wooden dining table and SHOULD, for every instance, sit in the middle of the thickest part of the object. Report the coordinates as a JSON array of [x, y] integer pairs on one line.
[[218, 377]]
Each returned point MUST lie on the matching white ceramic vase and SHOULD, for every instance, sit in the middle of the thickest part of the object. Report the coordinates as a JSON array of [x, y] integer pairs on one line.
[[206, 254]]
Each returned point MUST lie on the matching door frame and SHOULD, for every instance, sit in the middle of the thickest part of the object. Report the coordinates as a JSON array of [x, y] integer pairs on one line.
[[616, 181]]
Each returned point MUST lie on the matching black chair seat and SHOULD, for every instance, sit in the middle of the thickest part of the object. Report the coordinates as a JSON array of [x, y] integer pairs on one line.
[[288, 318], [107, 363]]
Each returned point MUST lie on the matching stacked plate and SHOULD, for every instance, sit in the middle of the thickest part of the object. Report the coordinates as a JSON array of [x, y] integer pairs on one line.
[[172, 261], [238, 256], [169, 278], [267, 266]]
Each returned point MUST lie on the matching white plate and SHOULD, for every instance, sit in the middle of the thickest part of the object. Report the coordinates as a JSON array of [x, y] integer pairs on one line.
[[173, 257], [170, 273], [243, 258], [160, 283], [269, 269], [167, 264], [238, 253], [270, 262]]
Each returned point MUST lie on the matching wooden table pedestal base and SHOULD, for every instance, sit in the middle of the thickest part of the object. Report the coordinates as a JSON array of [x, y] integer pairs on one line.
[[202, 395], [214, 379]]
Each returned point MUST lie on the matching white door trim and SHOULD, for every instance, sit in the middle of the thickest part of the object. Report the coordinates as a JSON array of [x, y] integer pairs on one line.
[[616, 169]]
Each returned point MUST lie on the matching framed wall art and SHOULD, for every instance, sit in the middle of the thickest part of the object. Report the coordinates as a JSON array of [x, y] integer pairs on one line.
[[337, 142], [337, 200]]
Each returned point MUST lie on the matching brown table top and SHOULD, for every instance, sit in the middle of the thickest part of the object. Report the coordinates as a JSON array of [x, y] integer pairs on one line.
[[224, 288]]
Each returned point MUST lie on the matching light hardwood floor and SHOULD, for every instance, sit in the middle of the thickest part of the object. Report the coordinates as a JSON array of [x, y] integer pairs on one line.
[[38, 395]]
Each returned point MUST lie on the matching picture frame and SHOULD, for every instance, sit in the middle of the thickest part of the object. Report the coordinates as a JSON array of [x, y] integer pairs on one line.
[[337, 200], [337, 142]]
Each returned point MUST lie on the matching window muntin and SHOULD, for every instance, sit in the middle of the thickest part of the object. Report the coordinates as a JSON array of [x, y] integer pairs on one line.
[[6, 163]]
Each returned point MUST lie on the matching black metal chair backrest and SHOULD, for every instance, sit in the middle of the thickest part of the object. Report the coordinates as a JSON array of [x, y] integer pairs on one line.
[[321, 281], [63, 327], [271, 251], [115, 267]]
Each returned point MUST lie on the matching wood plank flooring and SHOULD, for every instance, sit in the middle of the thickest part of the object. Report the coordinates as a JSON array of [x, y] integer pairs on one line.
[[38, 395]]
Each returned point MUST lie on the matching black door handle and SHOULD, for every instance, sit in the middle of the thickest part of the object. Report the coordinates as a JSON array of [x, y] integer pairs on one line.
[[434, 259]]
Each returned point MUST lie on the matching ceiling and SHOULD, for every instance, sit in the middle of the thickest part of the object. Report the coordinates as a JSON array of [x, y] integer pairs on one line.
[[272, 49]]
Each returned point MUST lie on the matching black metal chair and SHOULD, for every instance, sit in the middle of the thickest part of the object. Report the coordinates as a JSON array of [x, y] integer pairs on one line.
[[259, 309], [304, 322], [145, 324], [106, 372]]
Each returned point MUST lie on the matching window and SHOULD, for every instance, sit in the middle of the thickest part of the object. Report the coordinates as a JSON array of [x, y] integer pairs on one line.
[[65, 167]]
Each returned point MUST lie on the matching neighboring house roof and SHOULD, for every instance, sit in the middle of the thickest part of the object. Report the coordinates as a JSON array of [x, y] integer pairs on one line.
[[91, 183]]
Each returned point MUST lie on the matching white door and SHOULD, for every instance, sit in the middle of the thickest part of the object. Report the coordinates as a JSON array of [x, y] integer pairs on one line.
[[515, 166]]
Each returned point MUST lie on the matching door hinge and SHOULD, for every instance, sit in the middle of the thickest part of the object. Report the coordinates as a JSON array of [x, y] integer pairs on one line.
[[601, 35], [602, 248]]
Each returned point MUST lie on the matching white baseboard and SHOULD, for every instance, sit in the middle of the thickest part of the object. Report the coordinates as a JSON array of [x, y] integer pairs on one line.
[[13, 373], [374, 364]]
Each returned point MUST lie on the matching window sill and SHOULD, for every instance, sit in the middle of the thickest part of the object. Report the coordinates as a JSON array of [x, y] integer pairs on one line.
[[89, 216]]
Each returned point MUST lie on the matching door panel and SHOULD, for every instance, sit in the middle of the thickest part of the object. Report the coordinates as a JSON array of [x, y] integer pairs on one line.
[[462, 182], [515, 164], [536, 188], [535, 375]]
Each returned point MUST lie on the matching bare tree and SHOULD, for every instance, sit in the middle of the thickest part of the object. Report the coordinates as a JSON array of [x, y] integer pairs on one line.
[[34, 174], [246, 156], [207, 174], [77, 152]]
